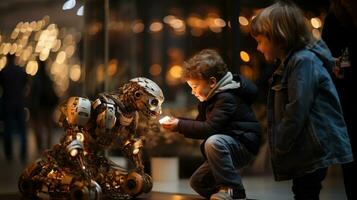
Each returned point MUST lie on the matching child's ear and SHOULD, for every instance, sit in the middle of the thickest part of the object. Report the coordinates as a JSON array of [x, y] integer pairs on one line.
[[212, 82]]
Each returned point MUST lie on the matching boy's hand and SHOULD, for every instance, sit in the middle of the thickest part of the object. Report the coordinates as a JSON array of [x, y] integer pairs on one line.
[[169, 123]]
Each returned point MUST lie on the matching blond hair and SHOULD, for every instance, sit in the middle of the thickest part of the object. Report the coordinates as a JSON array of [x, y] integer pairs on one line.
[[204, 65], [284, 24]]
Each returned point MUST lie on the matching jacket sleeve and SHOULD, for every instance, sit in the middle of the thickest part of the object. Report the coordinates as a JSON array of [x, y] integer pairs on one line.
[[300, 89], [223, 109]]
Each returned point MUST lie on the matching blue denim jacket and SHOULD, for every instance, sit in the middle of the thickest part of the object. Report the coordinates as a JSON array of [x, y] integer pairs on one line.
[[306, 126]]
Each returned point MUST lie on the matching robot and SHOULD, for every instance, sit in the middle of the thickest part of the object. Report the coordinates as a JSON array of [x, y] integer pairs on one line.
[[77, 167]]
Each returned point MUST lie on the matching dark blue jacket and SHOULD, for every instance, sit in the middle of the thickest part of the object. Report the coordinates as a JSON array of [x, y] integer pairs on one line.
[[228, 112], [306, 126]]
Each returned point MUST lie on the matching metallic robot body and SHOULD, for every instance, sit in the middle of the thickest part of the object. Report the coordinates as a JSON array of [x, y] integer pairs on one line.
[[77, 167]]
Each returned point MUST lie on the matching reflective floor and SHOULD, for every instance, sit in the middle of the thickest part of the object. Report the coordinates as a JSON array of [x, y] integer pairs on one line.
[[257, 186]]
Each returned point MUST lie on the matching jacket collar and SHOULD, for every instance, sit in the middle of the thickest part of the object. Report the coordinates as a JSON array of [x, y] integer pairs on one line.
[[226, 83]]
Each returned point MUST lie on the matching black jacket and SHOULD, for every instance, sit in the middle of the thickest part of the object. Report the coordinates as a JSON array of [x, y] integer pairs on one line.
[[228, 112]]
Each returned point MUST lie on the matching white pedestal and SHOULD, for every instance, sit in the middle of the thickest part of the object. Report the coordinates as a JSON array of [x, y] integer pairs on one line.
[[165, 168]]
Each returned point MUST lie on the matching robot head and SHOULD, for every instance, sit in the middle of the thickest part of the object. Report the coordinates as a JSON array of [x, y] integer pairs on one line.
[[146, 95]]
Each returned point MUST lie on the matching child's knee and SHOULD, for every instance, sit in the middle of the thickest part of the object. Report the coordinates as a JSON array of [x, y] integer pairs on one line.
[[215, 142]]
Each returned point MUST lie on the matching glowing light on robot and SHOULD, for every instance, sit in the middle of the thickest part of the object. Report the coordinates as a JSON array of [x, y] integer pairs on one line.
[[80, 11], [73, 152], [80, 137], [136, 151], [69, 4]]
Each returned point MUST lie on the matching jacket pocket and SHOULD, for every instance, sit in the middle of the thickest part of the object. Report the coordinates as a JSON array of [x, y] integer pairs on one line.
[[304, 153], [280, 101]]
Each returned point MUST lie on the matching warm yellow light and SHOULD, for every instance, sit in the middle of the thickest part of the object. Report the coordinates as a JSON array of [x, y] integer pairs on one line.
[[69, 39], [176, 71], [61, 57], [19, 50], [32, 67], [39, 25], [196, 22], [19, 25], [244, 56], [27, 53], [112, 67], [156, 26], [44, 54], [176, 23], [13, 48], [6, 48], [56, 45], [169, 18], [243, 21], [315, 22], [57, 69], [24, 27], [75, 73], [219, 22], [70, 50], [155, 69], [3, 61], [33, 25], [100, 73], [138, 27], [14, 34]]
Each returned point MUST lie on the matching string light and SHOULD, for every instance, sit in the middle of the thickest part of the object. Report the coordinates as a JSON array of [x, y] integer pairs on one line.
[[35, 41]]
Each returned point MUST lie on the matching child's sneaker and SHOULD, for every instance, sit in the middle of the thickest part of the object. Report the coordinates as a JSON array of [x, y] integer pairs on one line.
[[226, 193]]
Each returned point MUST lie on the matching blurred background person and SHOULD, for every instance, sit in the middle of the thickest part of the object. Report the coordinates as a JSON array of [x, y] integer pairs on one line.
[[42, 102], [13, 80], [339, 33]]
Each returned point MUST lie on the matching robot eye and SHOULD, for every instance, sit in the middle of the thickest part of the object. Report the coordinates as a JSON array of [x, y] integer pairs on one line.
[[154, 102], [137, 94]]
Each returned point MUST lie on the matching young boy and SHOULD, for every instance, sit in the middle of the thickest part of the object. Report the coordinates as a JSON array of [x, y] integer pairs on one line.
[[226, 123], [306, 129]]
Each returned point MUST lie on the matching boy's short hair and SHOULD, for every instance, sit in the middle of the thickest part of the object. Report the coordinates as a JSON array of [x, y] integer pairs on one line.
[[284, 24], [205, 64]]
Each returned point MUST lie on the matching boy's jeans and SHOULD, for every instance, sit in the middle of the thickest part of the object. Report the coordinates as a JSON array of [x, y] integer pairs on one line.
[[308, 187], [225, 156]]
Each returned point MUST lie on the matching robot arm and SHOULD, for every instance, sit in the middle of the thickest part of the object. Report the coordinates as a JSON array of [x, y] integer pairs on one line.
[[105, 111], [132, 150]]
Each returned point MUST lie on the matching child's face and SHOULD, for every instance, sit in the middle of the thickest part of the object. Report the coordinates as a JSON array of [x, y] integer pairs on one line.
[[267, 47], [201, 88]]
